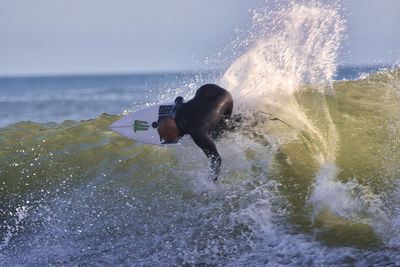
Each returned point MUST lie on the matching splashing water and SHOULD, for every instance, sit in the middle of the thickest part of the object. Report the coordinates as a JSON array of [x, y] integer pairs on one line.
[[286, 49], [289, 48]]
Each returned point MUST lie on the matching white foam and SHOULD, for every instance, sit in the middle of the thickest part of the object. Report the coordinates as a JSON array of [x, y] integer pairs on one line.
[[18, 217], [349, 200]]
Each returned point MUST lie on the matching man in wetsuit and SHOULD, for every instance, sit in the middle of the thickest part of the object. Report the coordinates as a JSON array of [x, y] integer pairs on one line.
[[202, 117]]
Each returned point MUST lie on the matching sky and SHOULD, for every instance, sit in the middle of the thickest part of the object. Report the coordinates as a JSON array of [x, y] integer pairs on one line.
[[113, 36]]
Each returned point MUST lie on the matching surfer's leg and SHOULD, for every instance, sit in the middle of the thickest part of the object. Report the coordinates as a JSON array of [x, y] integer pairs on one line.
[[224, 113], [229, 108]]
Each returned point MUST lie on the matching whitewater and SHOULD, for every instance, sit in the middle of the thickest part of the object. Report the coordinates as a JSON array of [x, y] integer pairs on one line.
[[310, 179]]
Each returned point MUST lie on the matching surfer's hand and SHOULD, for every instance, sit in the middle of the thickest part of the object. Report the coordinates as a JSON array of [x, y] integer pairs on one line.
[[215, 167]]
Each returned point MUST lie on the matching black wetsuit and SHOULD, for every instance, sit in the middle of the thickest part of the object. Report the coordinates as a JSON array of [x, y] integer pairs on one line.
[[204, 117]]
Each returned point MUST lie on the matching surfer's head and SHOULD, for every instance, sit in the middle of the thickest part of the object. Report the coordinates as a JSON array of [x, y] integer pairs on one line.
[[168, 130]]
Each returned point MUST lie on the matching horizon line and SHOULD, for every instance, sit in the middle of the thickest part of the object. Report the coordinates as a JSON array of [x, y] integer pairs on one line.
[[155, 72]]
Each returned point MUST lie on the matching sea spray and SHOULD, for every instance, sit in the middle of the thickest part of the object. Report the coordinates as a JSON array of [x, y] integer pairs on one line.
[[287, 48]]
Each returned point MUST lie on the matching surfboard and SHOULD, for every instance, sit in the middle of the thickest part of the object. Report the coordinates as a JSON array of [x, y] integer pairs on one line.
[[141, 125]]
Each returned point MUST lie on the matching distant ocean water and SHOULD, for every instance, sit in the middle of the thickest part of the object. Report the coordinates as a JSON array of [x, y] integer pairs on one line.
[[315, 182], [58, 98]]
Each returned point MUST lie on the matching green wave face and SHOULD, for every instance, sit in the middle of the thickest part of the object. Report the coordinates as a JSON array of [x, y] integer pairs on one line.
[[40, 158], [341, 172], [328, 173]]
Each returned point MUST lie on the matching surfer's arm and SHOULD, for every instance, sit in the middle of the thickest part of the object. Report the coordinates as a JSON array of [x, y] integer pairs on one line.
[[207, 145]]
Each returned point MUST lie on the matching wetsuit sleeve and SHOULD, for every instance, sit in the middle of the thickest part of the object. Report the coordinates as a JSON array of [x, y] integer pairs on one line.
[[204, 141]]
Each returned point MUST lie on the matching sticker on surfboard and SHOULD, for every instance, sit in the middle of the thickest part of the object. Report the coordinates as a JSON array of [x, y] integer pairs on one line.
[[141, 125]]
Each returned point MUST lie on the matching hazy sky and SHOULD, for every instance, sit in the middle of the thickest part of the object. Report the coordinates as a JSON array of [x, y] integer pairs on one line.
[[88, 36]]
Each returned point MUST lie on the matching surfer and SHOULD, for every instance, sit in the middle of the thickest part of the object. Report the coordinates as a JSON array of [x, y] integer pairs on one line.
[[204, 118]]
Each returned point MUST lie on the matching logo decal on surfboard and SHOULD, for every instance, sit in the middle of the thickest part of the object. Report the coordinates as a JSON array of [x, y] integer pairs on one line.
[[140, 126]]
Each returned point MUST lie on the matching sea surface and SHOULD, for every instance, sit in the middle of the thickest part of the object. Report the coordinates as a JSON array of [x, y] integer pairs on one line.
[[311, 178]]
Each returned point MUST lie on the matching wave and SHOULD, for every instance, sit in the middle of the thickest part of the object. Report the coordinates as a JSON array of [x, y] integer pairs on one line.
[[271, 168]]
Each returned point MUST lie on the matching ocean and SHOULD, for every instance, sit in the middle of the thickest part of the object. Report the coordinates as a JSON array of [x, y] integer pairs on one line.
[[310, 179]]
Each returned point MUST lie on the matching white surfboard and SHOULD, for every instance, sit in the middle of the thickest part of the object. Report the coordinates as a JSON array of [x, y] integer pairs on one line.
[[141, 125]]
